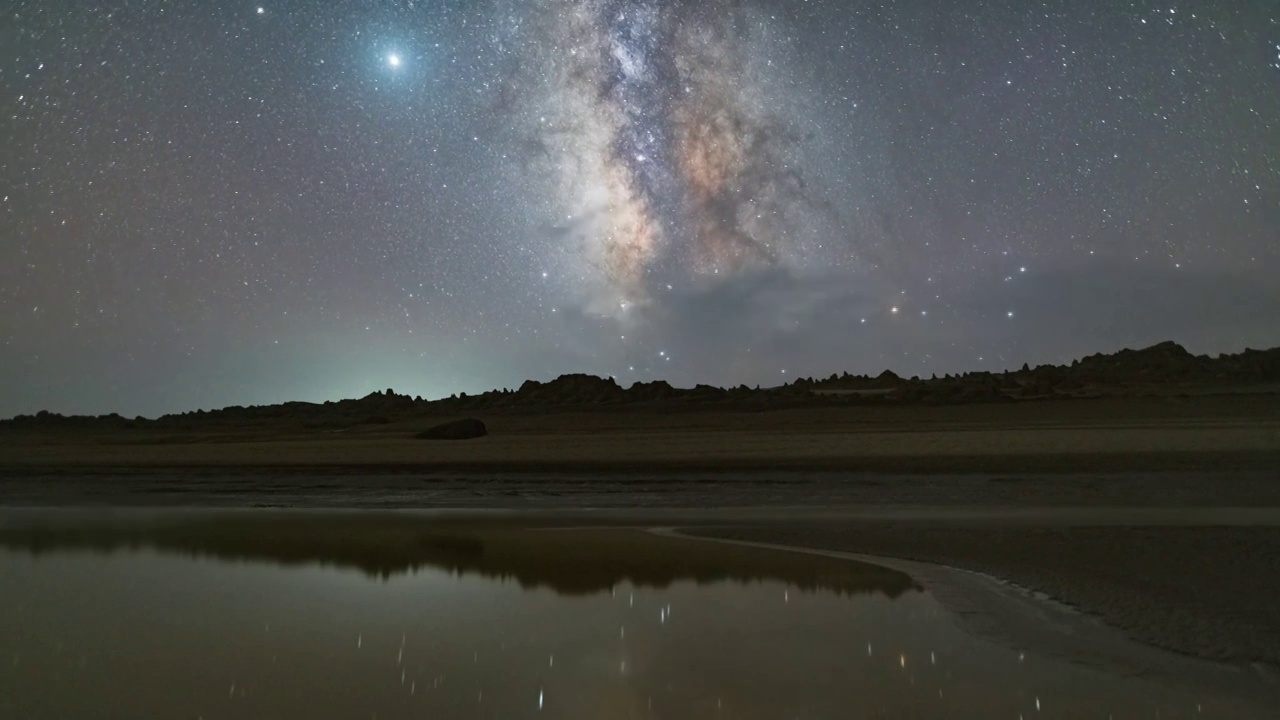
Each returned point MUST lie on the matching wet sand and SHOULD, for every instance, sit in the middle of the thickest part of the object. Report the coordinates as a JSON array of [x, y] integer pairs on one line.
[[1206, 591], [1038, 626], [770, 493]]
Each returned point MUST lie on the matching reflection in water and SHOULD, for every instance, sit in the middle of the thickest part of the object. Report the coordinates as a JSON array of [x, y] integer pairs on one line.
[[597, 624], [577, 562]]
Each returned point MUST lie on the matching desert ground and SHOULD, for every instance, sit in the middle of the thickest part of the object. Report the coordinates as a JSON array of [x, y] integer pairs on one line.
[[1228, 431]]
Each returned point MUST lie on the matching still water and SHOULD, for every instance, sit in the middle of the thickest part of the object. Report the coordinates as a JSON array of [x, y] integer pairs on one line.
[[365, 616]]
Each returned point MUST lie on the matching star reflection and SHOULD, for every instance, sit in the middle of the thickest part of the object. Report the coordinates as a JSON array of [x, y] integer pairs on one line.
[[676, 672]]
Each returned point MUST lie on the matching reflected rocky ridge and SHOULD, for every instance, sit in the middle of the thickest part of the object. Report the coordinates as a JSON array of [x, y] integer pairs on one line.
[[266, 614], [576, 561]]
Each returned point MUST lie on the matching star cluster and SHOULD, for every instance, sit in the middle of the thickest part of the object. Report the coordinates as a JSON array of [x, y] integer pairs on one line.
[[208, 204]]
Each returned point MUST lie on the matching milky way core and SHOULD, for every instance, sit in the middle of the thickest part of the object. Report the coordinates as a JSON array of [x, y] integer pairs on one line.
[[669, 171]]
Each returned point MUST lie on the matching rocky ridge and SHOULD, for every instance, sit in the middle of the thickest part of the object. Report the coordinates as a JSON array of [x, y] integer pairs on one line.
[[1166, 368]]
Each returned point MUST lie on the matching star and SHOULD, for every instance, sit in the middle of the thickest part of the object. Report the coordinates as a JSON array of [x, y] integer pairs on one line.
[[393, 60]]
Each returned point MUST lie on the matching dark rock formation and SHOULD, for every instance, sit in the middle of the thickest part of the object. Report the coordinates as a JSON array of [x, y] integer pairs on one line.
[[464, 429], [1164, 362], [656, 390], [1166, 368], [570, 389]]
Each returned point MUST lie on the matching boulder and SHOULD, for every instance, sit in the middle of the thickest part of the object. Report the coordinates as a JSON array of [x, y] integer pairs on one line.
[[464, 429]]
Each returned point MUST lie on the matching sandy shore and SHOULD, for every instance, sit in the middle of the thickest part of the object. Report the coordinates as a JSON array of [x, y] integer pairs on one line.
[[1204, 591]]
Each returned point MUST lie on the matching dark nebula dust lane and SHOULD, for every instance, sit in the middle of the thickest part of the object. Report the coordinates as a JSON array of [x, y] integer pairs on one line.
[[677, 164], [203, 206]]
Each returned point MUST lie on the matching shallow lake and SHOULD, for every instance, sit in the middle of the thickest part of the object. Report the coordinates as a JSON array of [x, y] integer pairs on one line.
[[265, 615]]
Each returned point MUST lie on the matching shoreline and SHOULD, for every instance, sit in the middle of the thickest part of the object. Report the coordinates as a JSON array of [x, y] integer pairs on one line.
[[1203, 591], [995, 609], [762, 490], [119, 459]]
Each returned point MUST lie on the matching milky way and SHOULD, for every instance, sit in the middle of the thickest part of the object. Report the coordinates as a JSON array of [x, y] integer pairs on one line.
[[205, 204], [669, 169]]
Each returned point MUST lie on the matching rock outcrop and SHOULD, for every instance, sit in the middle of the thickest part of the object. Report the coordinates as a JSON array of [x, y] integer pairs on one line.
[[464, 429], [1164, 368]]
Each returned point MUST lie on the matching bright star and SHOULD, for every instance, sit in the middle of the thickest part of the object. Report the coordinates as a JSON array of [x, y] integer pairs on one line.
[[261, 10], [393, 60]]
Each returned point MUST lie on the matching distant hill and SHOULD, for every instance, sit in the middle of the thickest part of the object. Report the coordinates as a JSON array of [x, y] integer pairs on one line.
[[1163, 369]]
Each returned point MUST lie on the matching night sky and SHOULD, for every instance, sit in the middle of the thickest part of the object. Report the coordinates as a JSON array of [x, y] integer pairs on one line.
[[214, 203]]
